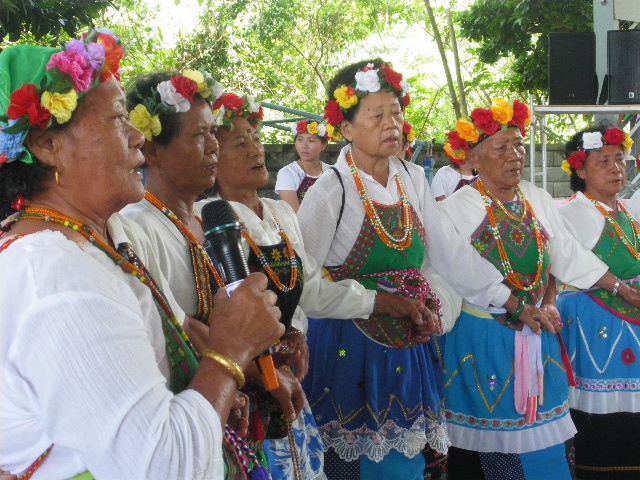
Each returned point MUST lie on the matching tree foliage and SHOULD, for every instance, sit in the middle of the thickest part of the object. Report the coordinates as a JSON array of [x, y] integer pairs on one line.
[[47, 17], [519, 29]]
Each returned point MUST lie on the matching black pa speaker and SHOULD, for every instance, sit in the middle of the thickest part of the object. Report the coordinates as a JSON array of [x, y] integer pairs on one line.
[[572, 69], [623, 63]]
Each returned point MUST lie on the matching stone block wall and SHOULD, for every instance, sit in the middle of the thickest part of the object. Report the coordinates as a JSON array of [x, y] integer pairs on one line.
[[557, 181]]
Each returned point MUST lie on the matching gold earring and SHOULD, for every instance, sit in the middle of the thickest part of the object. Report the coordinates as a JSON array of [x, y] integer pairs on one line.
[[57, 177]]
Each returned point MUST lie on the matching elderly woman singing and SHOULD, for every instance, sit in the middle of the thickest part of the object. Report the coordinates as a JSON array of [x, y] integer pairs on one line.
[[507, 380], [98, 377]]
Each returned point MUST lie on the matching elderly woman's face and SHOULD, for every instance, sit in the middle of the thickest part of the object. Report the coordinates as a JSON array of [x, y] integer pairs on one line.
[[501, 158], [190, 160], [242, 162], [98, 155], [376, 127], [604, 171]]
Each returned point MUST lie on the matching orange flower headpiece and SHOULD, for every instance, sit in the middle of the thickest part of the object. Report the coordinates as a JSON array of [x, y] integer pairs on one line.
[[484, 123]]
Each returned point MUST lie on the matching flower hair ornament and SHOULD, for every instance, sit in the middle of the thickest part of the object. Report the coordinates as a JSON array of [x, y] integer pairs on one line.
[[484, 123], [229, 106], [370, 79], [47, 98], [593, 141], [408, 134], [173, 96], [311, 127]]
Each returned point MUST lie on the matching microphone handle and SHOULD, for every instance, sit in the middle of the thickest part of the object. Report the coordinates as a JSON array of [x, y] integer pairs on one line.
[[225, 246]]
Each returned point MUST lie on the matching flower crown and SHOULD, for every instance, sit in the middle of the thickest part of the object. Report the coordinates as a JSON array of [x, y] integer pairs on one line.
[[595, 140], [409, 133], [484, 123], [170, 97], [368, 80], [229, 106], [71, 73], [311, 127]]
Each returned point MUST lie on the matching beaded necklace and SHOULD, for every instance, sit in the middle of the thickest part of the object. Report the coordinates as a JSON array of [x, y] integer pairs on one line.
[[50, 215], [387, 238], [633, 247], [504, 257], [291, 257], [187, 234]]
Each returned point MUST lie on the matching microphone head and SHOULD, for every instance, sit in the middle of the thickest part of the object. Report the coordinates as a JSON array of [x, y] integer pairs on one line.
[[217, 213]]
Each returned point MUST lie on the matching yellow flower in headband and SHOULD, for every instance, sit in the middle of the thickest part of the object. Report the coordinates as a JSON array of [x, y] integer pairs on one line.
[[198, 77], [566, 168], [334, 135], [467, 131], [61, 105], [628, 143], [460, 156], [502, 111], [346, 97], [312, 128], [148, 124]]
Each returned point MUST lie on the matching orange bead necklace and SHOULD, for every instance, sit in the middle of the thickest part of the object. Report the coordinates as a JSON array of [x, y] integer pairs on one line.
[[634, 246]]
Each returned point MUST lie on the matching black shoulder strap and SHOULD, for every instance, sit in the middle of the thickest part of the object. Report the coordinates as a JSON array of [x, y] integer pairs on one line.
[[335, 170], [404, 164]]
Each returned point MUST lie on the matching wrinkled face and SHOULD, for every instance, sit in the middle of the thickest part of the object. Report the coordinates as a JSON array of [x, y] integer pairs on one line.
[[309, 147], [376, 128], [501, 158], [98, 155], [604, 171], [190, 160], [242, 162]]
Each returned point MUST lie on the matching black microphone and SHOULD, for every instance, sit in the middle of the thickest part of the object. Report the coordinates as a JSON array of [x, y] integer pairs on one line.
[[224, 234]]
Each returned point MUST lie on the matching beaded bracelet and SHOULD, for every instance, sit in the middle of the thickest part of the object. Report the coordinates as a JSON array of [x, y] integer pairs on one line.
[[229, 364], [616, 287], [514, 317]]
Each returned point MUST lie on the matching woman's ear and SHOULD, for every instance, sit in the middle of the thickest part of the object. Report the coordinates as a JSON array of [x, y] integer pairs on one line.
[[42, 144], [345, 129], [150, 152]]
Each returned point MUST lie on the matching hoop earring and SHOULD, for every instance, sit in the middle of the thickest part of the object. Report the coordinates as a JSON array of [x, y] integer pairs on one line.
[[57, 177]]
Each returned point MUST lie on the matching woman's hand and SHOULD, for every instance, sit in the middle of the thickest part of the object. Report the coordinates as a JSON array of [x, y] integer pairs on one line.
[[295, 351], [422, 332], [239, 416], [198, 333], [630, 294], [397, 306], [536, 319], [289, 394], [553, 315]]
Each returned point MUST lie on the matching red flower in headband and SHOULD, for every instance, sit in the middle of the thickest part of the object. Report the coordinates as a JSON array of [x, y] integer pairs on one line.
[[456, 142], [614, 136], [229, 101], [406, 100], [185, 87], [577, 159], [392, 77], [406, 128], [333, 114], [302, 127], [26, 101], [113, 54], [483, 120], [521, 115]]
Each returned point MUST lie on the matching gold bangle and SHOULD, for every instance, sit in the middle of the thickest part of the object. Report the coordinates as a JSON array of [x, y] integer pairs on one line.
[[229, 364]]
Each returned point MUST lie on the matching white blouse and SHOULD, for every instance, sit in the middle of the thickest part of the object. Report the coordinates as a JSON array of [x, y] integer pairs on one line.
[[570, 262], [169, 252], [320, 298], [83, 355], [290, 177], [449, 256], [634, 205], [446, 180]]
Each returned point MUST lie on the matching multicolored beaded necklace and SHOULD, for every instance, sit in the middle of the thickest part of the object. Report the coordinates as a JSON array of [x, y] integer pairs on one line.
[[634, 246], [401, 243], [488, 201], [291, 257]]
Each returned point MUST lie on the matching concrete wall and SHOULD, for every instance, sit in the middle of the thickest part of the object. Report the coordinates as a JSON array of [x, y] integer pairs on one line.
[[558, 183]]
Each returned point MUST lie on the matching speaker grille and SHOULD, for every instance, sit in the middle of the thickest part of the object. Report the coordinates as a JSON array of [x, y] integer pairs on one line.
[[623, 59], [572, 69]]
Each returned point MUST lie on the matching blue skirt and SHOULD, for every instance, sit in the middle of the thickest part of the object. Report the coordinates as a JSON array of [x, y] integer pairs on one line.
[[604, 351], [369, 399], [479, 385]]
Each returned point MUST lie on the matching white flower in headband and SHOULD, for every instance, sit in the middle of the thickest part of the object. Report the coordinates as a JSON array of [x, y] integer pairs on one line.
[[368, 81], [322, 130], [218, 116], [254, 105], [591, 140], [217, 90], [170, 96]]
